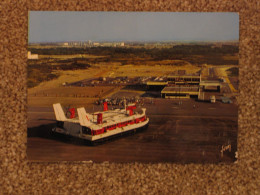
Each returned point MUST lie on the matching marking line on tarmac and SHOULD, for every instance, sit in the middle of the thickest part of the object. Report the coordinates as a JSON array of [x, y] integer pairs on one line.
[[192, 116], [39, 112]]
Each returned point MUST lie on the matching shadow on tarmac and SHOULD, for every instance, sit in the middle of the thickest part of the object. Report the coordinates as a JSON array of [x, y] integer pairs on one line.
[[45, 131]]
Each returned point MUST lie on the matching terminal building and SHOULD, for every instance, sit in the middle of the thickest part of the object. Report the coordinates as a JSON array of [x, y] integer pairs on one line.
[[182, 85], [180, 91], [184, 79]]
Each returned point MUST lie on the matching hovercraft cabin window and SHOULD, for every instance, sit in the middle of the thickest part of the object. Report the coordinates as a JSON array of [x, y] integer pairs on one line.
[[60, 124], [86, 130]]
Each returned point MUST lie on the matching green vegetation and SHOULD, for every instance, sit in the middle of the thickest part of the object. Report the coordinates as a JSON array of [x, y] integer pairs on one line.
[[35, 77], [209, 54], [233, 72], [42, 70]]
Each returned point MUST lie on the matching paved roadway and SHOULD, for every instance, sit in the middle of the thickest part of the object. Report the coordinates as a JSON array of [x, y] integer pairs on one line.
[[179, 133]]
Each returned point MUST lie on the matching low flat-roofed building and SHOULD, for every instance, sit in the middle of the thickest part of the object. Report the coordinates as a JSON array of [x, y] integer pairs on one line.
[[32, 56], [211, 85], [155, 81], [183, 78], [182, 85], [180, 91]]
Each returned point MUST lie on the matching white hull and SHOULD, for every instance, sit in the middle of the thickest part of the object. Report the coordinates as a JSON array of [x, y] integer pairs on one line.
[[107, 134]]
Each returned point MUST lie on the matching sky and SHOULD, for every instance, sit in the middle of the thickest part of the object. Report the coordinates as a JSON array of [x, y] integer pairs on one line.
[[65, 26]]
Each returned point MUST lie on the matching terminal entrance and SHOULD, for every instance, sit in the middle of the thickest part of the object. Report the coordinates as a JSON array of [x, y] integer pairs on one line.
[[176, 95]]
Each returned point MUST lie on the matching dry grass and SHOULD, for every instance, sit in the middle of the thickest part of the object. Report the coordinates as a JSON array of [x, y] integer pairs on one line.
[[156, 70], [112, 71], [230, 57], [52, 91], [68, 76], [222, 72]]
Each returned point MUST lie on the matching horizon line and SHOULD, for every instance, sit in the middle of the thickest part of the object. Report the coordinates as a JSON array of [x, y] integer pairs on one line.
[[129, 41]]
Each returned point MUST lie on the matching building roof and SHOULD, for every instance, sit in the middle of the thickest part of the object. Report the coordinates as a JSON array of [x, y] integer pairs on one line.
[[182, 73], [210, 83], [181, 89], [186, 75]]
